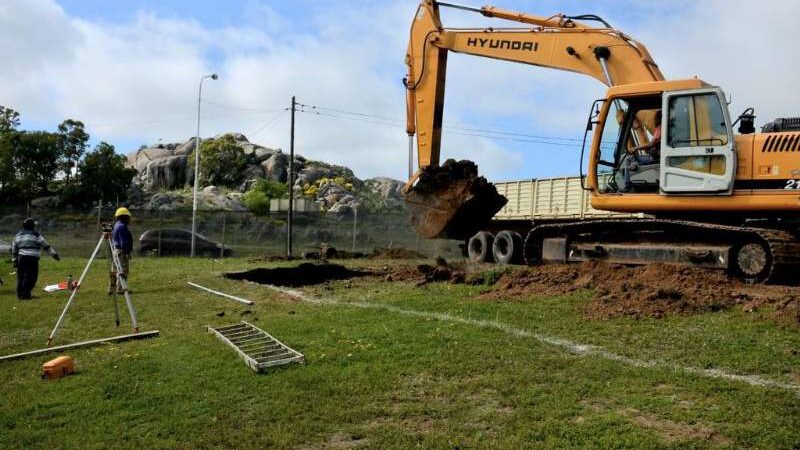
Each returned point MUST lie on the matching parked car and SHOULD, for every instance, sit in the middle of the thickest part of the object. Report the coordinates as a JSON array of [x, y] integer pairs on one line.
[[170, 241]]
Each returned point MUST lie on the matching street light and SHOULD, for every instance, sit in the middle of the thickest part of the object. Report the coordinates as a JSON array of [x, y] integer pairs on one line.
[[213, 76]]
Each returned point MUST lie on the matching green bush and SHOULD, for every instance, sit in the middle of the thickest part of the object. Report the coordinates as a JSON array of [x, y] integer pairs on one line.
[[256, 201], [258, 197]]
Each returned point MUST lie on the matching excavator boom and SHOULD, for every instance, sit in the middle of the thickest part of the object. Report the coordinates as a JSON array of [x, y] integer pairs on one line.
[[442, 204]]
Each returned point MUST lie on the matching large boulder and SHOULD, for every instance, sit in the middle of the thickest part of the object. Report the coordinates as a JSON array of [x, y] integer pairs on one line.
[[142, 157], [250, 175], [165, 173], [261, 154], [344, 206], [186, 148], [167, 201], [312, 174], [386, 188], [276, 167], [214, 198]]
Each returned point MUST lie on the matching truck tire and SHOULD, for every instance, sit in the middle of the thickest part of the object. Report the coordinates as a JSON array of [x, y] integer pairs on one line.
[[479, 247], [507, 247]]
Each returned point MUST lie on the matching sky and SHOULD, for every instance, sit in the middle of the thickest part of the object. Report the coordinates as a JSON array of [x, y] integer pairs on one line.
[[130, 69]]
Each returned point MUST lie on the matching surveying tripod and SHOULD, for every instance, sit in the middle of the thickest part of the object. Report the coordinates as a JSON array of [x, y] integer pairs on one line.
[[121, 285]]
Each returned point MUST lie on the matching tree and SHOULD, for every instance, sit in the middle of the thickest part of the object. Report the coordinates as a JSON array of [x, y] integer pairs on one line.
[[101, 174], [35, 157], [74, 141], [9, 183], [9, 145], [222, 162], [9, 119]]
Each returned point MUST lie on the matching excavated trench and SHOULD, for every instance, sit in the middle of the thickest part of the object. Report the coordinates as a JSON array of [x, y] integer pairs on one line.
[[306, 274]]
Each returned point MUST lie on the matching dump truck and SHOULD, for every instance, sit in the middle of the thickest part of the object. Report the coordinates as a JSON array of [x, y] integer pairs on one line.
[[529, 203]]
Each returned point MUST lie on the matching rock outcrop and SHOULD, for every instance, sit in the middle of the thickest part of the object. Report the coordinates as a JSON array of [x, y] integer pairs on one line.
[[164, 168]]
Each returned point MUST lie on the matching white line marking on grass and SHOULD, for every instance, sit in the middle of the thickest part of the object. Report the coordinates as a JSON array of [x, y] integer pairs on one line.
[[569, 346]]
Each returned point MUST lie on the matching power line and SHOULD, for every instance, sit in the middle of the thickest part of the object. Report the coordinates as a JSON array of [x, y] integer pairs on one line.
[[274, 121], [520, 138], [239, 108], [463, 128]]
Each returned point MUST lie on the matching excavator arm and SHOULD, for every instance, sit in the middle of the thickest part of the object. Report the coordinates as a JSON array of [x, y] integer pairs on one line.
[[452, 202], [556, 42]]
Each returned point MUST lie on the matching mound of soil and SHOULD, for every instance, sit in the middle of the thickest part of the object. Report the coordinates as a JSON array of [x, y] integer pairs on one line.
[[655, 290], [542, 281], [425, 273], [305, 274]]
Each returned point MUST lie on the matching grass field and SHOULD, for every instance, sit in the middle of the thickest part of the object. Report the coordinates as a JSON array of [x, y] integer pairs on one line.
[[383, 373]]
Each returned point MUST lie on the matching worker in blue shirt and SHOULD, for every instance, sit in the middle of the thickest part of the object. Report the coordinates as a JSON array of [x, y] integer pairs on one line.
[[122, 241]]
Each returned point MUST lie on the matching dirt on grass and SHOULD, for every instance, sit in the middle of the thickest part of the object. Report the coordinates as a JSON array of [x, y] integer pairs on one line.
[[427, 273], [655, 290], [305, 274]]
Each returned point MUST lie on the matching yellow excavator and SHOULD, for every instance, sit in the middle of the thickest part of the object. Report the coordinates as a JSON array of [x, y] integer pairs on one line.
[[667, 149]]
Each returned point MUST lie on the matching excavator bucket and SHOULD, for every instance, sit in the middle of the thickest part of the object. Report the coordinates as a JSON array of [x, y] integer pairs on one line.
[[451, 201]]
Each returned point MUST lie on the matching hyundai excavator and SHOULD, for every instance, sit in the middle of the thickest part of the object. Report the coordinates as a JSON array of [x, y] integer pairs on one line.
[[708, 197]]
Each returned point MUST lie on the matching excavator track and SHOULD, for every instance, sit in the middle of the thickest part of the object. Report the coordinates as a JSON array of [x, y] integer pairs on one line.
[[756, 254]]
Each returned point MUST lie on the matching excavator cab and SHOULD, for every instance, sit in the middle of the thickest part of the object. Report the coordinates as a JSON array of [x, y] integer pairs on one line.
[[697, 154], [670, 143]]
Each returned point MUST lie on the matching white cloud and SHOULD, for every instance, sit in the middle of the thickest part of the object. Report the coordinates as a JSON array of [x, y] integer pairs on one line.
[[745, 47], [137, 81]]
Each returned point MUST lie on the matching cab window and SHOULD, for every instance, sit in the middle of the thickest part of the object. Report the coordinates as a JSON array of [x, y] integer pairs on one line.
[[696, 120], [630, 128]]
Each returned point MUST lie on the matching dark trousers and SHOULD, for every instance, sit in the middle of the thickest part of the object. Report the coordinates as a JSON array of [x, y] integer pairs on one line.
[[27, 274]]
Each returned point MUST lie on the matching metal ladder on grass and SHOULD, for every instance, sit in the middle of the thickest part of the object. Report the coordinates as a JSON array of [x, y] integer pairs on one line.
[[259, 349]]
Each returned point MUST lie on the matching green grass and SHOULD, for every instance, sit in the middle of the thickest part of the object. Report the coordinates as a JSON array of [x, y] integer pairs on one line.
[[378, 379]]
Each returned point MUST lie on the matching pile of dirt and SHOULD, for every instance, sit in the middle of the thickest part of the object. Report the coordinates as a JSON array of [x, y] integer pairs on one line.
[[451, 201], [656, 290], [426, 273], [305, 274], [542, 281], [395, 253]]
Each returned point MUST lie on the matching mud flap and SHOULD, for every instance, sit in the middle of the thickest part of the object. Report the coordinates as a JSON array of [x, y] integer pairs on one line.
[[451, 201]]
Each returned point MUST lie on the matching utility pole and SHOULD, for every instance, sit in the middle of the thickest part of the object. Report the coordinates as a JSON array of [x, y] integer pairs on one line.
[[289, 223]]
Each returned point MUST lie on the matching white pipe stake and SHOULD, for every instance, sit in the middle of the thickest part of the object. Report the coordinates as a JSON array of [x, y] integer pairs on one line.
[[221, 294]]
